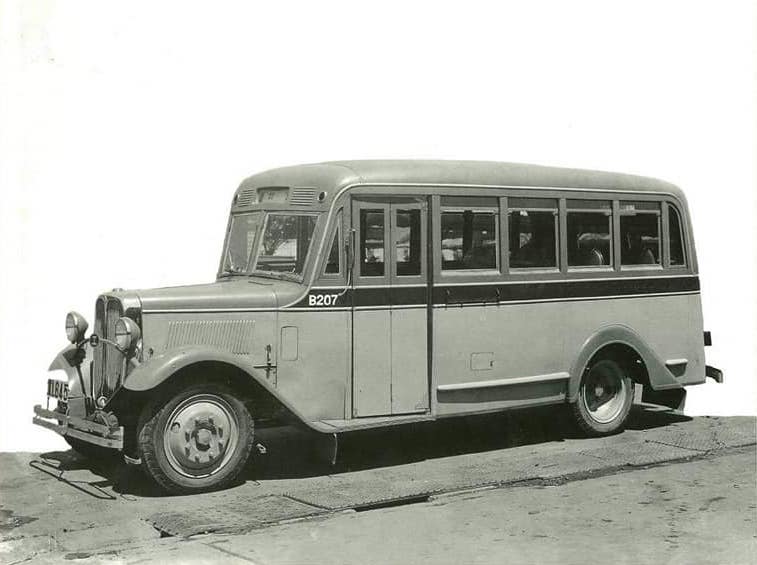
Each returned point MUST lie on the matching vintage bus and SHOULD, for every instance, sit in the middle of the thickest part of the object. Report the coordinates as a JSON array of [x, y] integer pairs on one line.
[[355, 295]]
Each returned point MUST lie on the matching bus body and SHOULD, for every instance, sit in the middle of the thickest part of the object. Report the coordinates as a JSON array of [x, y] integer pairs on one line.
[[362, 294]]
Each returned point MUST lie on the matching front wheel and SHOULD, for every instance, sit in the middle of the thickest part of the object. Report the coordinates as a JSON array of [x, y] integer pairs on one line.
[[197, 440], [604, 398]]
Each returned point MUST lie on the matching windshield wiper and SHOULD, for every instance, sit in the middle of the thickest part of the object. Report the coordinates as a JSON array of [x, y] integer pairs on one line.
[[278, 275], [232, 271]]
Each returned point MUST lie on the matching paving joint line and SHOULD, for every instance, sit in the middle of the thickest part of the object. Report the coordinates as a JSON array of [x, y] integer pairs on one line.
[[541, 480], [324, 512]]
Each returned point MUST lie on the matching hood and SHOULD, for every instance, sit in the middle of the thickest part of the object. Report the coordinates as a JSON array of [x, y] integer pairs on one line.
[[245, 292]]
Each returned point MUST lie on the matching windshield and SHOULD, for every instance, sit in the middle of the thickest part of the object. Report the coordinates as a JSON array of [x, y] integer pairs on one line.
[[276, 244], [242, 233]]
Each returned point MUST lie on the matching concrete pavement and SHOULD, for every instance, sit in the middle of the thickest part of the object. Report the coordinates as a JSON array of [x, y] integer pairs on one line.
[[56, 505]]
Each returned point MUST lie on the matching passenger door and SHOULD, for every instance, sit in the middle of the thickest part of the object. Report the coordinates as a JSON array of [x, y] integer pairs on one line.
[[390, 307]]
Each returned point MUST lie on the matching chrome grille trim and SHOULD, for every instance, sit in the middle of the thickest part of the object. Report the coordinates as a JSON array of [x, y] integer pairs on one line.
[[114, 361], [108, 365], [98, 364]]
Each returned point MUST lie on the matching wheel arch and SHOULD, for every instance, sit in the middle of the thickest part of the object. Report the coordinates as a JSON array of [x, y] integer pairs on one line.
[[171, 368], [623, 344]]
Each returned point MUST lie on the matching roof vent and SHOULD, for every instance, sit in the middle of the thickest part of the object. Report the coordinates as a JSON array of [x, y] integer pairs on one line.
[[302, 196], [246, 197]]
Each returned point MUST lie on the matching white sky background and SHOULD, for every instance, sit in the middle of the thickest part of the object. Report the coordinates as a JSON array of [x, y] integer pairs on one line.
[[125, 128]]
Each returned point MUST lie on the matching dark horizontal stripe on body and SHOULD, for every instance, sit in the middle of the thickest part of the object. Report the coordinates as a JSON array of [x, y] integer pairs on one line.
[[496, 293]]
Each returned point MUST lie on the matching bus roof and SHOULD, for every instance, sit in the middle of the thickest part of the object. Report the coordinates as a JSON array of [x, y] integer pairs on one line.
[[331, 176]]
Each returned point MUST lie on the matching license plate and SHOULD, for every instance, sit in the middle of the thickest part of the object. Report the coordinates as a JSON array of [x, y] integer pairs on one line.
[[57, 389]]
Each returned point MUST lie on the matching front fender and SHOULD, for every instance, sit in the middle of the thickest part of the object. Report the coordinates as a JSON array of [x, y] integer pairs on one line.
[[660, 378], [149, 374], [66, 361], [63, 361]]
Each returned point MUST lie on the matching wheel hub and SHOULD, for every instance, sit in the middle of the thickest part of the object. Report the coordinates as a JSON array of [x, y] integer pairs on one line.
[[200, 435], [604, 393]]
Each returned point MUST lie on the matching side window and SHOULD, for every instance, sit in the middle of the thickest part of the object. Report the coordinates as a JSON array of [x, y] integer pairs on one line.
[[371, 243], [407, 242], [332, 263], [676, 238], [639, 233], [589, 225], [532, 229], [469, 233]]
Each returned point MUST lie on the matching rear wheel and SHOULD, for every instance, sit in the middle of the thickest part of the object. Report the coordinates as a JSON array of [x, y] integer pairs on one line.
[[604, 398], [197, 440]]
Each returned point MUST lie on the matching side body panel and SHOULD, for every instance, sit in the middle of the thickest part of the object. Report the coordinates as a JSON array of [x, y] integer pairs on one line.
[[661, 329], [316, 378], [517, 340], [245, 334], [372, 362], [409, 368]]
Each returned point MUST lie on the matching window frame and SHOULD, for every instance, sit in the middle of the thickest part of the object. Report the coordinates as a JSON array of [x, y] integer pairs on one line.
[[394, 209], [661, 237], [253, 264], [384, 208], [334, 231], [666, 210], [227, 241], [556, 212], [494, 210], [608, 213]]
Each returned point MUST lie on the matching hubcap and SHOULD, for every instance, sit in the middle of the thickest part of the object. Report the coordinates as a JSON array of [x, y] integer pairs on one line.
[[200, 435], [605, 392]]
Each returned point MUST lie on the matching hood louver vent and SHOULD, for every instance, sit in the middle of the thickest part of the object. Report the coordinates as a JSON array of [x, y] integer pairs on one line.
[[302, 197], [246, 197]]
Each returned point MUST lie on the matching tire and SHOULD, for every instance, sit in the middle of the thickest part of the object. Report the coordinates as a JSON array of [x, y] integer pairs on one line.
[[196, 440], [605, 396]]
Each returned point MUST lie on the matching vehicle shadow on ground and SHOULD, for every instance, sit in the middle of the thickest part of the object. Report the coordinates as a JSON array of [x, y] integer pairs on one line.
[[289, 453], [432, 440]]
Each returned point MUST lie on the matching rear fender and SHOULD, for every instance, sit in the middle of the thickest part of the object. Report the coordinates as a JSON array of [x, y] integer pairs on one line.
[[158, 369], [660, 378]]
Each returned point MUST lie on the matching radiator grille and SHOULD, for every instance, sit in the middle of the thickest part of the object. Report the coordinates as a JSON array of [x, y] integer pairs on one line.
[[108, 364], [230, 335]]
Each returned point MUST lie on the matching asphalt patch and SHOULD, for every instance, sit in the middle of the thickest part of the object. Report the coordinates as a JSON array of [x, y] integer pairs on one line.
[[243, 514]]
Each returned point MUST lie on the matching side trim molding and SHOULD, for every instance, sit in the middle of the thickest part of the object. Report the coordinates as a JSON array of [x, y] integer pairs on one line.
[[504, 382]]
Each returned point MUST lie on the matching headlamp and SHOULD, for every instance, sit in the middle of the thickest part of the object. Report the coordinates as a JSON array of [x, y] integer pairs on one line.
[[127, 334], [76, 327]]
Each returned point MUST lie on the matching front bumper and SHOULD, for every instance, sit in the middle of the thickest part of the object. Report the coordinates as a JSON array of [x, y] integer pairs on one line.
[[84, 430]]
